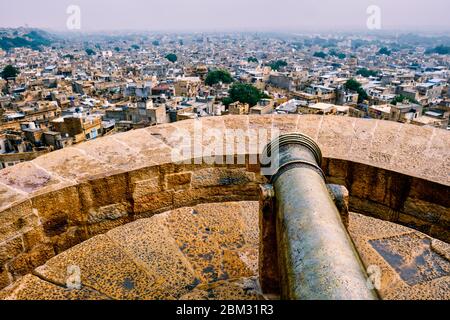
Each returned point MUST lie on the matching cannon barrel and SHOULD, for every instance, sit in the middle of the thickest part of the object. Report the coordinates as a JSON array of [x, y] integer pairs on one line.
[[316, 258]]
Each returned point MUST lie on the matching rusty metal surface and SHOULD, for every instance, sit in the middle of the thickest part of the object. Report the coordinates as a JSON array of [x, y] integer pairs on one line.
[[268, 257], [316, 257]]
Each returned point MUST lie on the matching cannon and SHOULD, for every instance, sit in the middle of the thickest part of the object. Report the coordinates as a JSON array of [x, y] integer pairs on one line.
[[306, 252]]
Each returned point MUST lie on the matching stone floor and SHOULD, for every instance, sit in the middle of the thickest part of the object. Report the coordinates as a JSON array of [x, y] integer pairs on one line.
[[211, 251]]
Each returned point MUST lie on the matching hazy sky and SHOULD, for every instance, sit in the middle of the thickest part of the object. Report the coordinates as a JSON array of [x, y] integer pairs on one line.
[[218, 15]]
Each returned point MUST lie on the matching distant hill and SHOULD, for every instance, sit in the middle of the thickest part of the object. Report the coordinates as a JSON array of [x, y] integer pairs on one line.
[[24, 37]]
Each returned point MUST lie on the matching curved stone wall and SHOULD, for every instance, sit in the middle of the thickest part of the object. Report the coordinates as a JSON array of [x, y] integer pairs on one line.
[[393, 171]]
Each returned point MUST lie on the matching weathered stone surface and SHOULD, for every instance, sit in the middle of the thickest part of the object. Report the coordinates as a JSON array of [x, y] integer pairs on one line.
[[425, 210], [145, 187], [287, 124], [110, 212], [412, 257], [106, 225], [407, 146], [28, 178], [361, 145], [218, 229], [72, 237], [210, 252], [10, 249], [404, 256], [336, 134], [221, 177], [58, 209], [112, 151], [10, 197], [16, 220], [215, 194], [5, 279], [310, 125], [149, 243], [178, 181], [26, 262], [31, 287], [384, 143], [73, 165], [33, 237], [152, 202], [242, 289], [151, 258], [106, 268]]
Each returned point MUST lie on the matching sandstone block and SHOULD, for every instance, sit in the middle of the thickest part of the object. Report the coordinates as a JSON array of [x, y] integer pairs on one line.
[[178, 181]]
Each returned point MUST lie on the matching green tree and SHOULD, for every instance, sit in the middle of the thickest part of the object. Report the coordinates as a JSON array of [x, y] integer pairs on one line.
[[9, 72], [355, 86], [227, 101], [439, 50], [90, 52], [385, 51], [246, 93], [155, 43], [401, 98], [320, 54], [367, 73], [277, 65], [69, 56], [218, 76], [252, 59], [135, 47], [172, 57]]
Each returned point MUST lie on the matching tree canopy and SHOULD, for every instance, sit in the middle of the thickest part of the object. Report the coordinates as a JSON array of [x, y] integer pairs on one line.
[[246, 93], [385, 51], [439, 50], [252, 59], [277, 65], [367, 73], [9, 72], [172, 57], [355, 86], [217, 76], [227, 101], [320, 54], [339, 55], [90, 52], [401, 98]]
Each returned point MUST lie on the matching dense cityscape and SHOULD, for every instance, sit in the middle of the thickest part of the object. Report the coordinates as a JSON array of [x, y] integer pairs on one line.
[[63, 89]]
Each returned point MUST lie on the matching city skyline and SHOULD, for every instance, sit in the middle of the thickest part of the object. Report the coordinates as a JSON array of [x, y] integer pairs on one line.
[[233, 15]]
